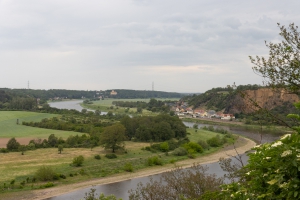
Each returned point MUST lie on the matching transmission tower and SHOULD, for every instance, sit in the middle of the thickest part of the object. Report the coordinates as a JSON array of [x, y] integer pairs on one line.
[[152, 86], [28, 85]]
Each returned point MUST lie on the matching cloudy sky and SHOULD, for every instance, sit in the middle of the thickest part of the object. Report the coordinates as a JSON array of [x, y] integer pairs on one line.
[[180, 45]]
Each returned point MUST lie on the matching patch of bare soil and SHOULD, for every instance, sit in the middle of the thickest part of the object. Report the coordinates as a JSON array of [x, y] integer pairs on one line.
[[24, 141], [242, 145]]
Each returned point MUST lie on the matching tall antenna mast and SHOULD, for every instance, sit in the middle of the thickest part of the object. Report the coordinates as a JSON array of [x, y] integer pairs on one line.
[[152, 86], [28, 85]]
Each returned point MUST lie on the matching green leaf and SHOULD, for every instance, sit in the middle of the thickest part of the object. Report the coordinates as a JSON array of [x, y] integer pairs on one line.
[[295, 194]]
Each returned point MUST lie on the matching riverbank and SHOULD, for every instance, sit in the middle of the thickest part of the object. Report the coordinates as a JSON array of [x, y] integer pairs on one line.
[[275, 130], [242, 146]]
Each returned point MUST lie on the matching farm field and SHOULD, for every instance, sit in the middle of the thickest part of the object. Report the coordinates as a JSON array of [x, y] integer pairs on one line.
[[104, 105], [9, 127]]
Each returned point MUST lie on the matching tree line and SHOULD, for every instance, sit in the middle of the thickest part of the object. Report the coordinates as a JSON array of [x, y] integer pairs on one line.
[[153, 105], [153, 128]]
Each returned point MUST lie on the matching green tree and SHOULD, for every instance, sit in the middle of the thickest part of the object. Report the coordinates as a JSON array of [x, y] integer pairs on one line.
[[139, 110], [113, 137], [84, 111], [282, 68], [60, 148], [12, 145], [273, 169], [97, 112], [52, 140]]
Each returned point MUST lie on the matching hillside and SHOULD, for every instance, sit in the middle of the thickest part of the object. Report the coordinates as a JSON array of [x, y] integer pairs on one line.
[[230, 101]]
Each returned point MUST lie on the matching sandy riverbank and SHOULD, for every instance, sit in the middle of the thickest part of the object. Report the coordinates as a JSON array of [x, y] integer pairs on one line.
[[242, 146]]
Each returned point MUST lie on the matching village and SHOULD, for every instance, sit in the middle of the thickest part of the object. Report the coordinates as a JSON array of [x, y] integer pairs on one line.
[[183, 110]]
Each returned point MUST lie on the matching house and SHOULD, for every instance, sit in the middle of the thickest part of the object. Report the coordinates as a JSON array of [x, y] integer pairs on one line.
[[203, 113], [227, 116], [189, 111], [113, 93], [211, 113]]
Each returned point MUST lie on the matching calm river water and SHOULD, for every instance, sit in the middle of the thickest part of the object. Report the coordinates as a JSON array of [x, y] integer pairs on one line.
[[120, 189]]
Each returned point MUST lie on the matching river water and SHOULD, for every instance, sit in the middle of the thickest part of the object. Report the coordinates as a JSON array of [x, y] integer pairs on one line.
[[70, 105], [120, 189]]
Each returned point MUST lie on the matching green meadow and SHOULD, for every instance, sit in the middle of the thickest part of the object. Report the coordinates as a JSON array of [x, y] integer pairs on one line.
[[9, 127], [19, 167]]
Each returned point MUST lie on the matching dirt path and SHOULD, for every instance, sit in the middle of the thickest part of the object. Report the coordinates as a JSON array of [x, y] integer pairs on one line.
[[243, 145]]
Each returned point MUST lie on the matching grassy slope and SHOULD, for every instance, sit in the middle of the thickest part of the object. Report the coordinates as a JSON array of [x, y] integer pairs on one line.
[[9, 128]]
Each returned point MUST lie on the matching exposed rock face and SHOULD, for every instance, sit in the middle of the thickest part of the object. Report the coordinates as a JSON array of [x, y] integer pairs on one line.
[[264, 97]]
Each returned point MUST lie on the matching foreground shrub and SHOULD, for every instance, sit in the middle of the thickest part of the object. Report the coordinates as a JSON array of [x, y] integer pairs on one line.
[[272, 172], [91, 195], [111, 156], [179, 184], [77, 161], [45, 173]]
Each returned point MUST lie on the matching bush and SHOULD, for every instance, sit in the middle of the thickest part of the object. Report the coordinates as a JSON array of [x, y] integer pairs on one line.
[[180, 151], [111, 156], [62, 176], [4, 150], [45, 173], [98, 157], [77, 161], [128, 167], [47, 185], [203, 144], [164, 147], [193, 146], [154, 161], [155, 146], [215, 141]]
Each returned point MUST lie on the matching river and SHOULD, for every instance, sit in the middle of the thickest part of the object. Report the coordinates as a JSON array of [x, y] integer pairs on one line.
[[120, 189], [75, 104]]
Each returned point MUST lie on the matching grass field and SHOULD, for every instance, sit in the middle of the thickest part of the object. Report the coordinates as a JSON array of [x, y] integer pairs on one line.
[[104, 105], [19, 167], [9, 127]]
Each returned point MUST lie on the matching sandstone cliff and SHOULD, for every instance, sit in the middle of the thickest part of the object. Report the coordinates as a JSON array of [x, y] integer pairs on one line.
[[264, 97]]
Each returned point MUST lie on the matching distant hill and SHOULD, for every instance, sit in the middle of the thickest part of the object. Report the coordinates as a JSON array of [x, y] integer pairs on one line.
[[78, 94], [133, 94]]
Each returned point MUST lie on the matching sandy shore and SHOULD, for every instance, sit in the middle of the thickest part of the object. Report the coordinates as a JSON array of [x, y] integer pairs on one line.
[[243, 145]]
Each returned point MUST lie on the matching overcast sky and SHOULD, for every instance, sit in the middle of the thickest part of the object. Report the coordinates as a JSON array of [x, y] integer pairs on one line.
[[180, 45]]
